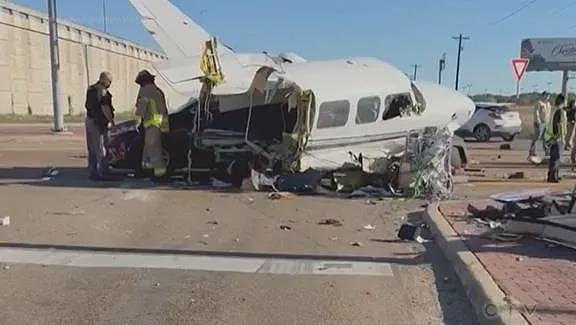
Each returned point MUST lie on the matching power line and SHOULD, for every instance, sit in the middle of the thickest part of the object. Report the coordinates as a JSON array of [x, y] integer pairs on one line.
[[515, 12], [563, 9]]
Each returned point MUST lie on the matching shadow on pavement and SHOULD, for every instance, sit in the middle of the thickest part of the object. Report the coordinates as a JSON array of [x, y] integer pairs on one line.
[[454, 303], [77, 177]]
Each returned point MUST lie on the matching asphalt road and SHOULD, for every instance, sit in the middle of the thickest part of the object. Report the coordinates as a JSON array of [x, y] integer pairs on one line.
[[225, 229]]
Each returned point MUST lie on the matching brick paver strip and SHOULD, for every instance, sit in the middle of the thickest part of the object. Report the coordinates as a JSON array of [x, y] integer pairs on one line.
[[540, 276]]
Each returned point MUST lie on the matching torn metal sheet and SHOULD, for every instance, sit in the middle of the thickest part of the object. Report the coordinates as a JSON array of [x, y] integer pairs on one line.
[[427, 164]]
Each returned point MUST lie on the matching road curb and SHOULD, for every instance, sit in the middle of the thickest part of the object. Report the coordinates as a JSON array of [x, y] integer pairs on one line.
[[489, 302]]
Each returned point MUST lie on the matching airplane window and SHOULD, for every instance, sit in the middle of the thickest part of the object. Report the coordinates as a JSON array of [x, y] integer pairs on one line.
[[333, 114], [368, 110], [395, 105]]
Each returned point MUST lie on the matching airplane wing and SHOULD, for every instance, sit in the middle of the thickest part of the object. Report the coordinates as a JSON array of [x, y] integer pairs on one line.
[[177, 34], [239, 71]]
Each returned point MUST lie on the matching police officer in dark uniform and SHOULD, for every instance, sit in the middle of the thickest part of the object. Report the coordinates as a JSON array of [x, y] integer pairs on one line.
[[99, 118]]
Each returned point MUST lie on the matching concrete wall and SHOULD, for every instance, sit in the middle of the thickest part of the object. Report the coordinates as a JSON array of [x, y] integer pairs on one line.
[[25, 83]]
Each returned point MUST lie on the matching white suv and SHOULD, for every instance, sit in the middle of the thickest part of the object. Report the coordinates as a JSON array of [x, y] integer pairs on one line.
[[492, 120]]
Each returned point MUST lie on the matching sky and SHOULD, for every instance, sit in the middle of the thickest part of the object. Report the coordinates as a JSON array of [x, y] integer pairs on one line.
[[402, 33]]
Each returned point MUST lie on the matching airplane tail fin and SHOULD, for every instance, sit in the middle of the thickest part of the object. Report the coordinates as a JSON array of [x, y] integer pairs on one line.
[[177, 34]]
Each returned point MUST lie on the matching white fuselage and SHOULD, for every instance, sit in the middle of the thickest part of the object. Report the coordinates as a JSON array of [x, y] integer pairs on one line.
[[357, 81]]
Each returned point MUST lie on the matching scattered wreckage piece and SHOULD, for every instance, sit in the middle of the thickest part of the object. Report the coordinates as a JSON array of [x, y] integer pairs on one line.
[[5, 221], [541, 213], [420, 169], [517, 175], [428, 162], [50, 173], [412, 232], [330, 222]]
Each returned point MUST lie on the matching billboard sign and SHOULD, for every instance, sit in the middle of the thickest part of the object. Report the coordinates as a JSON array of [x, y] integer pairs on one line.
[[550, 54]]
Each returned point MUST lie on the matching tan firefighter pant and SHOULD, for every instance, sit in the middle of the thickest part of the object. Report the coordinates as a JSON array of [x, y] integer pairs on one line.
[[152, 152]]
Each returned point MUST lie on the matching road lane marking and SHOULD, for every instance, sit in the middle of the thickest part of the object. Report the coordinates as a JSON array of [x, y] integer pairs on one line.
[[87, 259]]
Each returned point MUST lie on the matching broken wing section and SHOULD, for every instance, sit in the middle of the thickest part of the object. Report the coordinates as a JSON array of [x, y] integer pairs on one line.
[[177, 34], [238, 70]]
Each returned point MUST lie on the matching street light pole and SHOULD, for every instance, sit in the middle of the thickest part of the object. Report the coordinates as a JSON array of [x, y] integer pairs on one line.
[[104, 16], [415, 75], [460, 48], [55, 66], [441, 68]]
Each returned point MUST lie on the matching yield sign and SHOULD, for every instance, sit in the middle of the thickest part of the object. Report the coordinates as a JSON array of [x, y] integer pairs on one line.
[[519, 66]]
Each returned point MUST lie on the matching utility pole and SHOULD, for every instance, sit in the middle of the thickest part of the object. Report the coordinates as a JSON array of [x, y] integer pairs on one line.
[[104, 16], [459, 38], [55, 66], [415, 75], [441, 68]]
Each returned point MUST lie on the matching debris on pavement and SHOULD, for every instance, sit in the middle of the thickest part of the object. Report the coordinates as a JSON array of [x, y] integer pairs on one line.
[[371, 202], [535, 160], [409, 231], [304, 183], [214, 223], [517, 175], [6, 267], [506, 146], [369, 227], [285, 228], [420, 240], [331, 222], [49, 173], [280, 196], [356, 244], [334, 238], [5, 221], [371, 192], [204, 243], [205, 236], [65, 213]]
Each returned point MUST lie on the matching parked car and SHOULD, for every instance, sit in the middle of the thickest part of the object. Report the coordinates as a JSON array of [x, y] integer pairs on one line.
[[492, 120]]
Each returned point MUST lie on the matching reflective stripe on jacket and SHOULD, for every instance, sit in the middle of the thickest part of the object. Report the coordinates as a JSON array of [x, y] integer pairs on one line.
[[561, 129], [151, 107]]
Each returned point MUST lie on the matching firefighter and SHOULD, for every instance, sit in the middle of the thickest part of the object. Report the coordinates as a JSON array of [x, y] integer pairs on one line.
[[153, 113], [99, 118], [556, 130]]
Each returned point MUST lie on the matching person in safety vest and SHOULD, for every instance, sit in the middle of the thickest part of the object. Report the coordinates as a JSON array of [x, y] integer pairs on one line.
[[153, 113], [556, 130], [99, 117]]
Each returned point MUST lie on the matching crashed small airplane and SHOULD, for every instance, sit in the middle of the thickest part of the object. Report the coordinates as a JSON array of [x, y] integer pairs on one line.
[[284, 114]]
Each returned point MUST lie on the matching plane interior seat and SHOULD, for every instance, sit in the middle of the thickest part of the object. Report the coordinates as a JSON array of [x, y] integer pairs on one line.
[[267, 122]]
